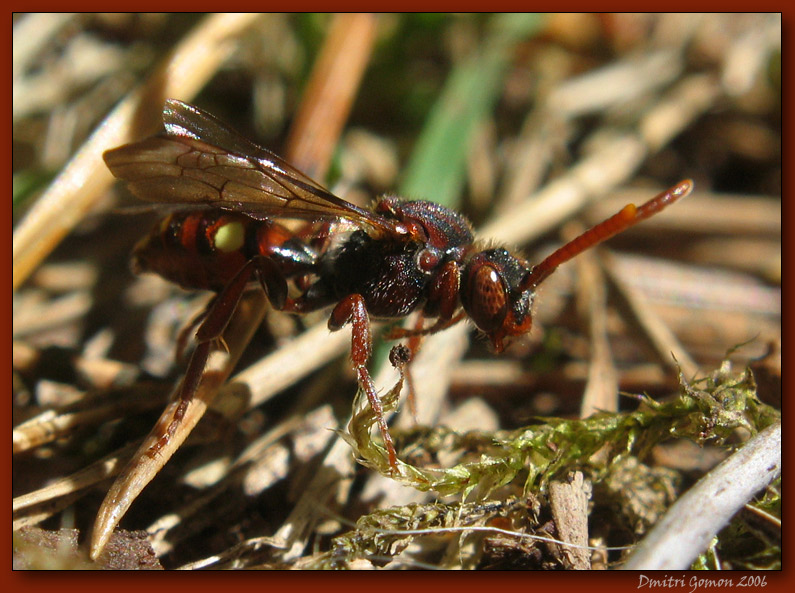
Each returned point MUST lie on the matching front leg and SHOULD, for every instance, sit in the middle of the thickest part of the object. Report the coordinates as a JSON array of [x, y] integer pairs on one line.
[[353, 310], [442, 303]]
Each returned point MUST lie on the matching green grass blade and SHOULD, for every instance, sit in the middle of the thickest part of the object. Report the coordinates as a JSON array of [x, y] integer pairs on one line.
[[436, 170]]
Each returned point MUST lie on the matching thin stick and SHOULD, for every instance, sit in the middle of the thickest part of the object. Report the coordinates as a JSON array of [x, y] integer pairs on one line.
[[690, 524], [85, 178]]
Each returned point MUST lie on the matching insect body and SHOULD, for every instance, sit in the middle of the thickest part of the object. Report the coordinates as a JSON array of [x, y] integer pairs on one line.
[[397, 258]]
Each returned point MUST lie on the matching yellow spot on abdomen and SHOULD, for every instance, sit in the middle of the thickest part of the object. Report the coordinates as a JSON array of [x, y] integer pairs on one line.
[[229, 237]]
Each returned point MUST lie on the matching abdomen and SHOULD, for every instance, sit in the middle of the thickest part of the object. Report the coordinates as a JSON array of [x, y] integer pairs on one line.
[[203, 250]]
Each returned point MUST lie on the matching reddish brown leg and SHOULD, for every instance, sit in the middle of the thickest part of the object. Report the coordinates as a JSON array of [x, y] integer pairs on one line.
[[188, 387], [352, 310], [442, 303], [413, 346], [439, 325], [223, 306], [214, 320]]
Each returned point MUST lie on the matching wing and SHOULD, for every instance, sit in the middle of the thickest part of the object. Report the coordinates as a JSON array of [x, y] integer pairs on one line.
[[201, 162]]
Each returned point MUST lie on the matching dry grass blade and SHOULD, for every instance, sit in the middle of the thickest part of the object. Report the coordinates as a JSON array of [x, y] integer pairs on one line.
[[60, 311], [33, 33], [49, 426], [668, 349], [294, 360], [253, 470], [601, 390], [153, 454], [328, 97], [34, 507], [84, 179], [432, 370], [617, 84], [614, 163], [331, 479]]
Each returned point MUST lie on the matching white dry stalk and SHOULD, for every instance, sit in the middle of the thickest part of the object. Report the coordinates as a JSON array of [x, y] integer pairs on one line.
[[687, 528], [34, 507], [31, 33], [616, 83], [291, 362]]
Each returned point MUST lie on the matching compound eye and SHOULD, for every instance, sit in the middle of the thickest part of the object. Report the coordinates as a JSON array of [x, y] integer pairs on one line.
[[428, 259], [487, 301]]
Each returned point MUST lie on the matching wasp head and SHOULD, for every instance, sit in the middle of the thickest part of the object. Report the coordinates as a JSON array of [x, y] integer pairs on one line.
[[493, 296]]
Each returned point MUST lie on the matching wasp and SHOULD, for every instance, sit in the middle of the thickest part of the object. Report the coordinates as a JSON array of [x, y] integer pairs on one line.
[[385, 262]]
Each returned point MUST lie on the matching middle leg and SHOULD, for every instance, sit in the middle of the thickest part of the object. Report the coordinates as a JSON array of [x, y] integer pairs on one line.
[[353, 310]]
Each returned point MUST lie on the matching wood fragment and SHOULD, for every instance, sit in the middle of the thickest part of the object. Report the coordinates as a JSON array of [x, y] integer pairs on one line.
[[569, 502]]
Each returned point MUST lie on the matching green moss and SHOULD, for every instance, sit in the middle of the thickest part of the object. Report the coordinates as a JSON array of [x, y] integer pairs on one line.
[[713, 410]]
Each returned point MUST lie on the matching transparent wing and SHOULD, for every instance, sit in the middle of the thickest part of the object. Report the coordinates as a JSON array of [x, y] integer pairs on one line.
[[199, 161]]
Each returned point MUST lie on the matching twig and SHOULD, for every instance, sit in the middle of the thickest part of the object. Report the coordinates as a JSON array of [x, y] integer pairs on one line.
[[34, 507], [328, 98], [153, 454], [696, 517], [85, 178], [656, 331], [569, 504]]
